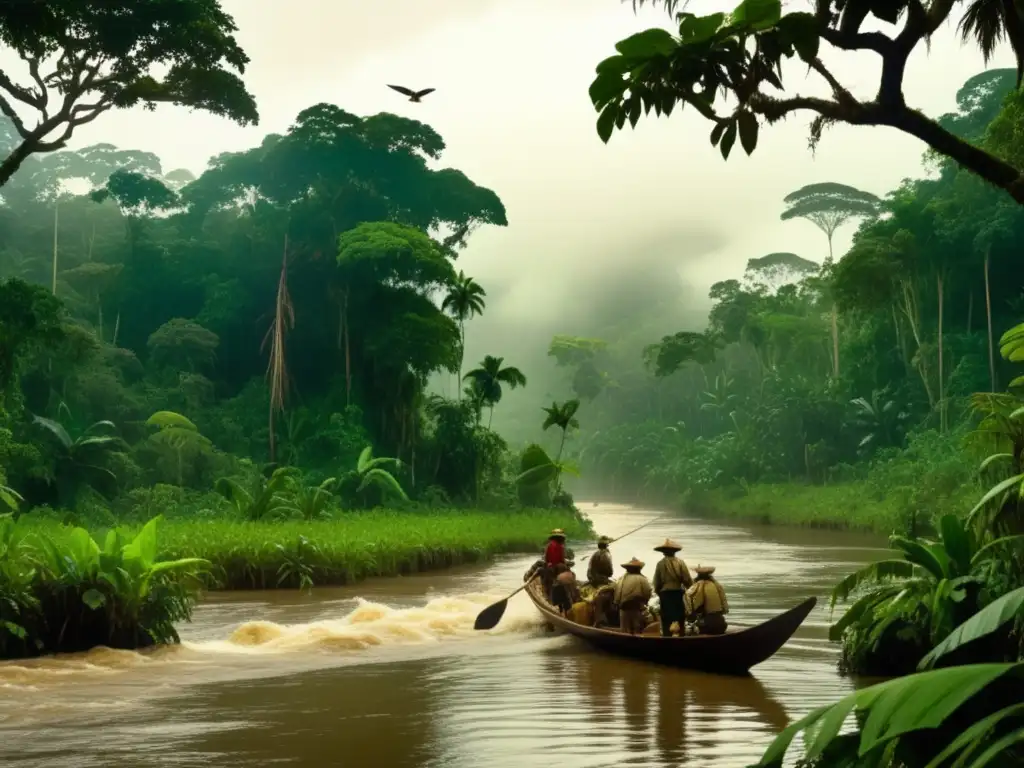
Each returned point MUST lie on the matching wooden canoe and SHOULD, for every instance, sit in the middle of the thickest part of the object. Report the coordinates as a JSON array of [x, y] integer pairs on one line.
[[733, 653]]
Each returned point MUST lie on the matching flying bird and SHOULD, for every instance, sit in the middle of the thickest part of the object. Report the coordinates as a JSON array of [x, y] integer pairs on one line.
[[416, 96]]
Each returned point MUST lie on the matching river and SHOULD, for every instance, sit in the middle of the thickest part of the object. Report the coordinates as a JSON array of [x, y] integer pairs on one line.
[[390, 673]]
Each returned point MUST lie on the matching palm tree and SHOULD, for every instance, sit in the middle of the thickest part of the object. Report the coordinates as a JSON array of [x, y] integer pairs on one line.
[[563, 416], [82, 461], [489, 377], [370, 481], [464, 300]]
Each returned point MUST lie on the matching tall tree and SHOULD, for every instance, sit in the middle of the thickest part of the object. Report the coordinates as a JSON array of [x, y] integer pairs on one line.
[[739, 56], [829, 205], [464, 300], [116, 54], [489, 378], [775, 270]]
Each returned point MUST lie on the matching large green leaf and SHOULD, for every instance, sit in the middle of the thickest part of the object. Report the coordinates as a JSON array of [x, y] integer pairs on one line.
[[650, 42], [889, 710], [801, 29], [10, 498], [699, 29], [957, 542], [1011, 344], [536, 467], [935, 562], [986, 621], [55, 429], [143, 546], [757, 14], [167, 419], [383, 480]]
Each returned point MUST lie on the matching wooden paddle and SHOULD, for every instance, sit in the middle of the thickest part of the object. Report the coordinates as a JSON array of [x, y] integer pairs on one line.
[[489, 617]]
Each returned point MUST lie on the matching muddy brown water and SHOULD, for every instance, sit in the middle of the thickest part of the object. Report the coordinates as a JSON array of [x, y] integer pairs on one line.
[[390, 673]]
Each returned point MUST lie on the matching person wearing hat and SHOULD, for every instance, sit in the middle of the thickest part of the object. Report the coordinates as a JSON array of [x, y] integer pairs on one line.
[[600, 570], [671, 578], [632, 594], [554, 555], [706, 602]]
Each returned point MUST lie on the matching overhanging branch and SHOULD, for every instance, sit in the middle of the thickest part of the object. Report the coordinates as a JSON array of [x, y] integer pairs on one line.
[[8, 109]]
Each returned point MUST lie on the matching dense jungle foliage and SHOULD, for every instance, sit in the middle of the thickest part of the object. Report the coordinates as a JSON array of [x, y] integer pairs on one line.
[[858, 370], [288, 306]]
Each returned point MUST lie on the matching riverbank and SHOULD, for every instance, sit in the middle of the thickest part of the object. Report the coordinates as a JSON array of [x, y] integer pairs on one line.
[[842, 506], [345, 549], [65, 588]]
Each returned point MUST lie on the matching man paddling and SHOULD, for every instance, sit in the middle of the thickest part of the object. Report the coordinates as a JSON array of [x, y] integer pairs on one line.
[[671, 577], [706, 602], [600, 570], [632, 594]]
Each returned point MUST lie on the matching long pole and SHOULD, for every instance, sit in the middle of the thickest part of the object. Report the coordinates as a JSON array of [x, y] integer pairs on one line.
[[620, 538]]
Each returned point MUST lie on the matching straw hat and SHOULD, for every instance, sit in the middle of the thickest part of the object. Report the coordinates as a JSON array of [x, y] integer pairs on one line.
[[668, 546], [634, 563], [604, 541], [704, 570], [558, 533]]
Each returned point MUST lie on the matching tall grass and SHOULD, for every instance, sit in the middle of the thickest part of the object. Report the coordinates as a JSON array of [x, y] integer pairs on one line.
[[899, 490], [355, 545]]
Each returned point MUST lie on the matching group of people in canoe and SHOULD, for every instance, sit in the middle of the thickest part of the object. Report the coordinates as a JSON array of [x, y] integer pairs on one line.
[[687, 604]]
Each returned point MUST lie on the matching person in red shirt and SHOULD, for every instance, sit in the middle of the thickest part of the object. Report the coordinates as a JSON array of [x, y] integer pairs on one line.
[[554, 555]]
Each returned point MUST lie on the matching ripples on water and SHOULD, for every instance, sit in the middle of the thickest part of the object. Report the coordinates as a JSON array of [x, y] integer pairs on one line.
[[391, 673]]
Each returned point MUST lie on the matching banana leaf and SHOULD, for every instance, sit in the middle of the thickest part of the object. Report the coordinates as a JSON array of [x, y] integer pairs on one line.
[[922, 701], [986, 621]]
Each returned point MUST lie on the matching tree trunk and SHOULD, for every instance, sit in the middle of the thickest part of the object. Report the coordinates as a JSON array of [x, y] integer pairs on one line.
[[970, 311], [942, 398], [910, 310], [835, 320], [117, 327], [56, 210], [348, 354], [835, 340], [490, 417], [988, 317], [462, 356]]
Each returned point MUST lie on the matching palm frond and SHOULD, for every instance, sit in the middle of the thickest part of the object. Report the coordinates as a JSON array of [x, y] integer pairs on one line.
[[875, 573]]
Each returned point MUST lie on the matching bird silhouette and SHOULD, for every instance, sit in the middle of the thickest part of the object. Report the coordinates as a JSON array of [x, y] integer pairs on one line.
[[416, 96]]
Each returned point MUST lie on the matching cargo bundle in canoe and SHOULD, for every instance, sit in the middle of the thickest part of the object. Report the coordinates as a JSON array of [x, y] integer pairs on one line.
[[735, 652]]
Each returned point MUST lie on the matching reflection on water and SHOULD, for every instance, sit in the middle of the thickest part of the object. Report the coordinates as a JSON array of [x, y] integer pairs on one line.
[[392, 672]]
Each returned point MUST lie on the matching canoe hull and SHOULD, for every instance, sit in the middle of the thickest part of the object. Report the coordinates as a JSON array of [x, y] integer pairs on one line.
[[733, 653]]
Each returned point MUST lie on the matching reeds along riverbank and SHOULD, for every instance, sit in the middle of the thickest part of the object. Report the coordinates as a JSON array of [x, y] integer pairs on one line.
[[356, 546]]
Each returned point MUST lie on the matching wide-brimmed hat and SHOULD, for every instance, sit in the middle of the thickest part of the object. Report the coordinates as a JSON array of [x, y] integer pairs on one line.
[[668, 546], [704, 570], [558, 533], [634, 563], [604, 541]]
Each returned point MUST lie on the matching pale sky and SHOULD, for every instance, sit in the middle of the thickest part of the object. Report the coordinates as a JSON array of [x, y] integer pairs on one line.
[[512, 105]]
